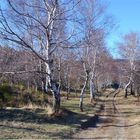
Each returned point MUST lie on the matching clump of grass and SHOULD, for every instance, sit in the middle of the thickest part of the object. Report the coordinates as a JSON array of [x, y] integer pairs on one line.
[[19, 96], [73, 105], [5, 94]]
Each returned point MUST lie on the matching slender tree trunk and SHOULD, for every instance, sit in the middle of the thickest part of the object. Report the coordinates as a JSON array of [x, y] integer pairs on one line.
[[92, 90], [48, 77], [83, 91], [126, 89], [92, 78], [92, 87]]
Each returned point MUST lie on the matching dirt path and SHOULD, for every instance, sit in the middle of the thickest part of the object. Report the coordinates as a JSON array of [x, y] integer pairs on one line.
[[120, 120]]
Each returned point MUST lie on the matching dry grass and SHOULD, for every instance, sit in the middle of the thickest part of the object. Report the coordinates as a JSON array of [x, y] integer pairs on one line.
[[35, 122]]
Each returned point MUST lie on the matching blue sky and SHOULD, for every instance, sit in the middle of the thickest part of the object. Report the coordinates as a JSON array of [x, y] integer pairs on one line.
[[127, 15]]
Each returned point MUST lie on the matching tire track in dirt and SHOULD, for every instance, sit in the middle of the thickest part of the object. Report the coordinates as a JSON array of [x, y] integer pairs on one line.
[[118, 121]]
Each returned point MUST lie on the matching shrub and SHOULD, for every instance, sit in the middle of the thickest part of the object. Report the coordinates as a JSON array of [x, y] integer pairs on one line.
[[18, 96]]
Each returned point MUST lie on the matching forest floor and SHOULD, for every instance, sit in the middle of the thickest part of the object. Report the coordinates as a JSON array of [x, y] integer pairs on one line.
[[119, 119]]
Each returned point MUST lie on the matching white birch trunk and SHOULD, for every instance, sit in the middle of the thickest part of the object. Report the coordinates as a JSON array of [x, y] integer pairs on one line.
[[126, 88], [82, 94], [92, 91], [92, 77], [48, 77], [83, 89]]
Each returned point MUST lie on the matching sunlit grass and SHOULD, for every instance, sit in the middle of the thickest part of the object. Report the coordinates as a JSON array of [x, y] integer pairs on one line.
[[73, 104]]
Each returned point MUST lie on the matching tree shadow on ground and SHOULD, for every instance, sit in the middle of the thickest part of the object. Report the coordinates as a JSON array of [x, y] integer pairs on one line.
[[34, 116], [13, 119]]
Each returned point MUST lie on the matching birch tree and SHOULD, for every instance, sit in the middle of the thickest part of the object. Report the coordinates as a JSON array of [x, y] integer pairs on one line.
[[95, 25], [35, 25], [129, 50]]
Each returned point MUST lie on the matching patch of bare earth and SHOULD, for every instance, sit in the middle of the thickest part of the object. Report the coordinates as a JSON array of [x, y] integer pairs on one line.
[[120, 120]]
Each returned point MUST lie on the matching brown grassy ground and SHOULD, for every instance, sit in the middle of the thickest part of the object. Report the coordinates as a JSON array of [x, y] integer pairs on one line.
[[32, 122]]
